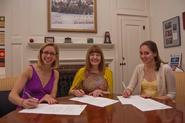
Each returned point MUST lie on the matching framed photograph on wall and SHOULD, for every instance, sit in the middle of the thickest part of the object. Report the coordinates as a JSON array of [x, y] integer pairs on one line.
[[171, 32], [72, 15]]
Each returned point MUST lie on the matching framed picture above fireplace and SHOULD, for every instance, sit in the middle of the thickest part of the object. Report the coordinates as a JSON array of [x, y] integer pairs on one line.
[[72, 16]]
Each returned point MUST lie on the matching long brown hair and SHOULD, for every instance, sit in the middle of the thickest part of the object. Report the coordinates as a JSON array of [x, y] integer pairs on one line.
[[95, 49], [153, 47], [56, 62]]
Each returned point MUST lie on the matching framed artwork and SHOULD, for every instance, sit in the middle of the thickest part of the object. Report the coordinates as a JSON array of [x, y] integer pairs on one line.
[[49, 39], [107, 37], [183, 20], [171, 32], [72, 16]]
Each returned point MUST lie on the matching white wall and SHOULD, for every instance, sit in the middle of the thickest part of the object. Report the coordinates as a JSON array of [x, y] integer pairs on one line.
[[27, 19], [2, 5], [161, 10]]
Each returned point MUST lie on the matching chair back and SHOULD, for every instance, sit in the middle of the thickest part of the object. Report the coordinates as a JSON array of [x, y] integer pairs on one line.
[[6, 85], [180, 87]]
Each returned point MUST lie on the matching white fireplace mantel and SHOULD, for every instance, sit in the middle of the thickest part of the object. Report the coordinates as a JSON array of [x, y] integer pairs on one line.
[[72, 45]]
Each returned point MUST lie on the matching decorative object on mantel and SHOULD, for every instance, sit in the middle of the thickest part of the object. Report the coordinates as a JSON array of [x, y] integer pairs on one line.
[[90, 40], [49, 39], [183, 20], [2, 21], [31, 40], [171, 32], [67, 40], [107, 37]]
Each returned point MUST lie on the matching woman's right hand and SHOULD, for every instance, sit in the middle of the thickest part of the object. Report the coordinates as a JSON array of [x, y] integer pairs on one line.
[[126, 93], [78, 92], [30, 103]]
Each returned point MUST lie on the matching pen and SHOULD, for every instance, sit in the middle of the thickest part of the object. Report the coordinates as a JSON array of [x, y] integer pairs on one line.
[[123, 84], [29, 96]]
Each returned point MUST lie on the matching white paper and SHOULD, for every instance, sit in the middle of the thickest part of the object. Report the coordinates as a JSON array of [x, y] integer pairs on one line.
[[58, 109], [142, 103], [97, 101]]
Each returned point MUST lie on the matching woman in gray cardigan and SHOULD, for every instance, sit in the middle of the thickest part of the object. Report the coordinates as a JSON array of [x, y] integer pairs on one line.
[[154, 78]]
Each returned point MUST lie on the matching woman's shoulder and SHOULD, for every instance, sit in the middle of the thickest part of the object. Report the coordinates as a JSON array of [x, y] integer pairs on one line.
[[29, 68], [28, 71], [81, 70], [56, 72], [165, 66], [139, 67]]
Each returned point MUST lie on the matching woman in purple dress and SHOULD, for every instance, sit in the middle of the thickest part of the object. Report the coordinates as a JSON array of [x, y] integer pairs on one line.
[[38, 83]]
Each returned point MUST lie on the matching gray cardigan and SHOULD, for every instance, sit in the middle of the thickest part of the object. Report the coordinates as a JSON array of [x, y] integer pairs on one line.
[[165, 80]]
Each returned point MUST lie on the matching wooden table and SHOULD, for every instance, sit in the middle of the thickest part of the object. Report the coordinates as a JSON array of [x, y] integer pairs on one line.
[[116, 113]]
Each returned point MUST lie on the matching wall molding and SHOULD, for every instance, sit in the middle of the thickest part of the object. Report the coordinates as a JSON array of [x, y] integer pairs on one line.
[[72, 45]]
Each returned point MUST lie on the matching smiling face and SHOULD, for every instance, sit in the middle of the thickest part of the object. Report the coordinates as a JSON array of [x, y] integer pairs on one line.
[[48, 55], [95, 58], [146, 55]]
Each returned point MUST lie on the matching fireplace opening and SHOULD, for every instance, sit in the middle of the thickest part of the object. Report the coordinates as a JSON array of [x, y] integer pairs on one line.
[[66, 76]]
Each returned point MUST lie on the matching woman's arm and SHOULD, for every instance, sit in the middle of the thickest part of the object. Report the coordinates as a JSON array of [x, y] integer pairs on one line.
[[133, 81], [109, 78], [170, 83], [17, 89], [75, 88], [135, 77]]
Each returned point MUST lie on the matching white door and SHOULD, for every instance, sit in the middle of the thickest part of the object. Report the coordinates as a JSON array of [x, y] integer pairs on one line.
[[133, 31]]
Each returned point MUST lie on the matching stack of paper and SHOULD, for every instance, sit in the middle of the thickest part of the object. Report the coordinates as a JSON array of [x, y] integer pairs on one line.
[[142, 103], [59, 109], [97, 101]]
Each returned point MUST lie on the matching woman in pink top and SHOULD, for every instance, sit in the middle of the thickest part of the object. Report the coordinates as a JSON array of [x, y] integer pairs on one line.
[[38, 83]]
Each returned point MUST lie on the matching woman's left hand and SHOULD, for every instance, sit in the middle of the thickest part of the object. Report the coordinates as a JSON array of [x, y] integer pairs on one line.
[[98, 92], [49, 99]]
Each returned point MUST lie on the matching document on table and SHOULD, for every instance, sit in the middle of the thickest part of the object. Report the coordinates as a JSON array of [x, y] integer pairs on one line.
[[58, 109], [97, 101], [142, 103]]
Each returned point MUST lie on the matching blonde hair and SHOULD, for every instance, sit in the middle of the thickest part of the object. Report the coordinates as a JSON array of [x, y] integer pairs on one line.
[[56, 62], [95, 49]]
